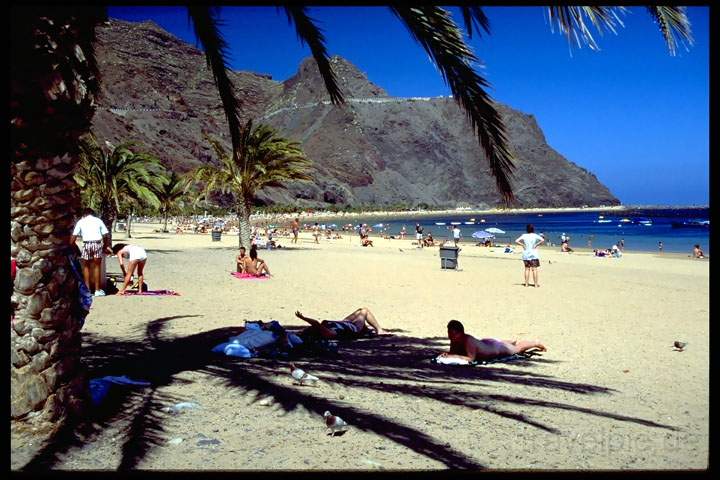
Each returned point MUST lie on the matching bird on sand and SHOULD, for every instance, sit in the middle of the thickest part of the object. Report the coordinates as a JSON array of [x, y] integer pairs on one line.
[[301, 376], [679, 346], [334, 423]]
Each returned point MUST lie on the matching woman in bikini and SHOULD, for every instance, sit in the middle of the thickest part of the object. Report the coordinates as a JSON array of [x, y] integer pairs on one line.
[[254, 265]]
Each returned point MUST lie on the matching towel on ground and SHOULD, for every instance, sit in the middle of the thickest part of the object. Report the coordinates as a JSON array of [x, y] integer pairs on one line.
[[100, 387], [156, 293], [248, 276], [458, 361]]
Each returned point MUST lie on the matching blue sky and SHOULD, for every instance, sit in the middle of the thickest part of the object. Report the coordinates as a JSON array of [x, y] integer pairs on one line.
[[630, 113]]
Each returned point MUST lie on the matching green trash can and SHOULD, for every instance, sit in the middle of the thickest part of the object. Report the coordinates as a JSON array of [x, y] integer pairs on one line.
[[216, 235], [449, 257]]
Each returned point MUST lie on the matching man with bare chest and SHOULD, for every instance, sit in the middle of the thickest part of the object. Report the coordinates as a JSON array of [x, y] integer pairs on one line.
[[467, 347]]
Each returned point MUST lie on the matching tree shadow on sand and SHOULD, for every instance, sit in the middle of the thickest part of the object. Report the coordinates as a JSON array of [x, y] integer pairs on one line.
[[398, 365]]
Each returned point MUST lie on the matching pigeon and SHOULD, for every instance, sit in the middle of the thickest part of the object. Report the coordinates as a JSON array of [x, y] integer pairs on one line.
[[301, 376], [679, 346], [334, 423]]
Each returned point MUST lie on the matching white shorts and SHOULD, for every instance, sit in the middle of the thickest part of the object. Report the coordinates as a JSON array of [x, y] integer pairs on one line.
[[419, 236], [137, 253]]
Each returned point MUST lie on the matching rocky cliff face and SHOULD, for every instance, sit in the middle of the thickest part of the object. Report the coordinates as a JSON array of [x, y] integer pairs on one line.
[[375, 149]]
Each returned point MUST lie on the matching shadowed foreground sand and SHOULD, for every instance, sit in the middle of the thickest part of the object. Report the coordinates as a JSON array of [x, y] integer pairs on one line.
[[610, 392]]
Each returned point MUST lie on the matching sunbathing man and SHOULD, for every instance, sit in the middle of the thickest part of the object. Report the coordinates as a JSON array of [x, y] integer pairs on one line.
[[350, 327], [467, 347]]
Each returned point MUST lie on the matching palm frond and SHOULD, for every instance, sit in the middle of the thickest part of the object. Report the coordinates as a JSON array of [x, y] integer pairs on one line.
[[433, 28], [673, 22], [474, 16], [311, 34], [207, 30], [574, 22]]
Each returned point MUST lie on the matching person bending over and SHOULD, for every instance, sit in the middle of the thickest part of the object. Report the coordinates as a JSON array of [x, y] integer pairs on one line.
[[467, 347], [136, 258], [353, 326]]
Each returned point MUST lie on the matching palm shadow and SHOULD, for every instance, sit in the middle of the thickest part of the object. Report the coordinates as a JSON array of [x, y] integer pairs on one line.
[[372, 364]]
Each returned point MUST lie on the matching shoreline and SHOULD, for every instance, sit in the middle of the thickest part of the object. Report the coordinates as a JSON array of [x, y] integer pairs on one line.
[[415, 214]]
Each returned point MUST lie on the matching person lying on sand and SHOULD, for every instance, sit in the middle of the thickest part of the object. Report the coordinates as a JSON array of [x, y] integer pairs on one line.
[[467, 347], [353, 326]]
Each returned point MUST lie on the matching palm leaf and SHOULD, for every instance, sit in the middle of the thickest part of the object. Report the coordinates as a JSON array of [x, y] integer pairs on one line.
[[441, 39], [574, 22], [207, 31], [474, 16], [311, 34], [673, 22]]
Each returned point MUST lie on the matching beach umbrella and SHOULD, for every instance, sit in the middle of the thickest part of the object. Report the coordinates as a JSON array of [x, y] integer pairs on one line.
[[481, 234], [494, 230]]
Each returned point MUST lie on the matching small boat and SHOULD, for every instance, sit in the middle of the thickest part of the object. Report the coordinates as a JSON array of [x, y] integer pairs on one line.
[[455, 223], [625, 220], [439, 223], [469, 223], [601, 217], [472, 219], [540, 214], [604, 221], [482, 220], [692, 224], [643, 221]]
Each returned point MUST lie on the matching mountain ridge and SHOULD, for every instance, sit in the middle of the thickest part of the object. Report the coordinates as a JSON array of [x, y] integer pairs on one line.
[[373, 149]]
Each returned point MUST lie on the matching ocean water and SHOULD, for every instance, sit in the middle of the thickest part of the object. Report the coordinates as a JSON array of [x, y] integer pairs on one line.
[[582, 227]]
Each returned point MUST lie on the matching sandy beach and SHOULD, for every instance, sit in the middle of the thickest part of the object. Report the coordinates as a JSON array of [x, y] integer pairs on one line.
[[609, 393]]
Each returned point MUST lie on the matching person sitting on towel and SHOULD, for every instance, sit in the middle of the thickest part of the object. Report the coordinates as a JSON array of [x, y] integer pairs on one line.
[[254, 265], [240, 260], [467, 347], [353, 326]]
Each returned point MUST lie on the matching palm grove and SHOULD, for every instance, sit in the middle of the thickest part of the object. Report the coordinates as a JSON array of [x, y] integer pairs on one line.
[[54, 85]]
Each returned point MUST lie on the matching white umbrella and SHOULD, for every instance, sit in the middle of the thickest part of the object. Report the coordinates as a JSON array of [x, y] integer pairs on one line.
[[480, 234], [494, 230]]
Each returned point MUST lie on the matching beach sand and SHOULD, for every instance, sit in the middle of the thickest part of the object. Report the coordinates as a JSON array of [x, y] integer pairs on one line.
[[609, 393]]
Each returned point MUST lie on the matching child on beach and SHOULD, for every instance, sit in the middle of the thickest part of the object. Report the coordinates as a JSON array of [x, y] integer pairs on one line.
[[530, 241], [136, 258], [239, 260], [467, 347], [697, 252]]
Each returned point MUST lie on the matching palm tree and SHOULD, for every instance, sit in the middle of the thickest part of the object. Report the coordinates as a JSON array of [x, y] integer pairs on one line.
[[109, 178], [170, 194], [53, 85], [263, 159]]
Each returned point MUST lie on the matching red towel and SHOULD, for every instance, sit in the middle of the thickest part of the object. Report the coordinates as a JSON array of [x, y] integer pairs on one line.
[[248, 276], [155, 293]]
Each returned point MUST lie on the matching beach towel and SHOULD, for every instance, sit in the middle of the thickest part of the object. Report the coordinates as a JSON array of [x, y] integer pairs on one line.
[[248, 276], [155, 293], [458, 361], [100, 387]]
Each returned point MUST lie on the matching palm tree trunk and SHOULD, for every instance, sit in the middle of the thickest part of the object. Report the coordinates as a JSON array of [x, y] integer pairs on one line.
[[166, 220], [129, 221], [53, 86], [244, 224]]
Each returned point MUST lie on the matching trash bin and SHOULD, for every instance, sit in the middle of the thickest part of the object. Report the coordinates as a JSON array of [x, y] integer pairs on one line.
[[216, 235], [449, 257]]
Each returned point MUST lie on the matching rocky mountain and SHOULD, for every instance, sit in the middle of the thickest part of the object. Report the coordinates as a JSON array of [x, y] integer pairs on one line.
[[157, 90]]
